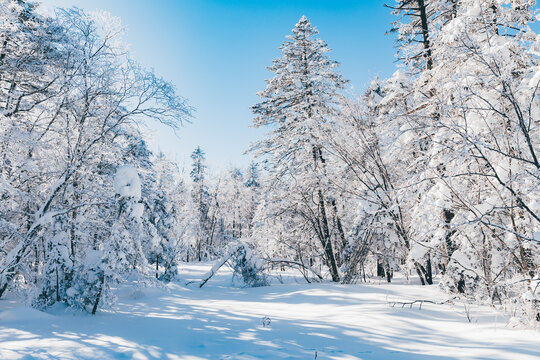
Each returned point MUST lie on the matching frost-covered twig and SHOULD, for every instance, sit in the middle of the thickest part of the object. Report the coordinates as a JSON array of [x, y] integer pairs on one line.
[[296, 263], [418, 301]]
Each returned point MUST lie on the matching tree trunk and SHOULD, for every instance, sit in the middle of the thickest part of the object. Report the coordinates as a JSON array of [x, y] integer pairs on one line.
[[429, 275], [327, 241], [57, 286], [98, 297], [425, 34], [3, 288], [380, 269], [448, 215], [424, 272], [340, 232], [389, 273], [461, 284], [419, 272]]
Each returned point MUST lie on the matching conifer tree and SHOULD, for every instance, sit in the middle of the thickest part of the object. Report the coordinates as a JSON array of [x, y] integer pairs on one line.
[[298, 105], [201, 199]]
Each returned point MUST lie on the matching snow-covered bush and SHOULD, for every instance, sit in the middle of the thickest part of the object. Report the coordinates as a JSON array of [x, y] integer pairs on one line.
[[248, 268]]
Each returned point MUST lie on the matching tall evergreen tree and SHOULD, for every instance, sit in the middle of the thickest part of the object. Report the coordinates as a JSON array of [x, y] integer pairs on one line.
[[298, 105], [201, 199]]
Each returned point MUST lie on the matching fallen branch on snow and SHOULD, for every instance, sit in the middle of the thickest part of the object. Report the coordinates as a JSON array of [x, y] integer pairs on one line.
[[418, 301]]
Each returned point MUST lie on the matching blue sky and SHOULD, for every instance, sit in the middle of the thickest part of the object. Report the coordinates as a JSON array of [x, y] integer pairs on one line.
[[216, 52]]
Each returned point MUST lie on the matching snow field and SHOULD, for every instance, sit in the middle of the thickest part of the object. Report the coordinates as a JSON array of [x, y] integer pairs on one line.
[[306, 321]]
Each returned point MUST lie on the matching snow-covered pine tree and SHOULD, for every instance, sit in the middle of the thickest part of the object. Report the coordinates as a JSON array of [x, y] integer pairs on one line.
[[237, 197], [201, 200], [253, 190], [297, 106], [167, 225], [232, 204], [413, 32]]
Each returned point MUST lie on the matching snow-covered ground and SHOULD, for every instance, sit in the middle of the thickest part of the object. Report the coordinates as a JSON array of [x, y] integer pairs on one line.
[[306, 321]]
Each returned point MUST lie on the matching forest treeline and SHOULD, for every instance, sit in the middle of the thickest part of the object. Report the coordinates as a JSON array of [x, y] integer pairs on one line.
[[433, 172]]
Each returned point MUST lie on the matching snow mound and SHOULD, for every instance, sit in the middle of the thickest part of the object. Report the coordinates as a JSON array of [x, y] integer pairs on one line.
[[23, 314], [136, 294]]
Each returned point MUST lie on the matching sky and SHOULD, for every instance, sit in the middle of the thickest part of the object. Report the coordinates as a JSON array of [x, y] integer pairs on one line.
[[215, 52]]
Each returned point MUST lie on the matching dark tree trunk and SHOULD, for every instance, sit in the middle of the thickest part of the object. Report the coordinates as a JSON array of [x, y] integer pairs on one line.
[[3, 288], [461, 284], [389, 274], [57, 286], [98, 297], [528, 260], [327, 241], [429, 275], [448, 215], [425, 34], [424, 272], [363, 272], [380, 268]]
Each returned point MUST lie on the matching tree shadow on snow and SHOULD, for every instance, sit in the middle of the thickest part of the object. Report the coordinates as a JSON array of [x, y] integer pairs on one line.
[[225, 323]]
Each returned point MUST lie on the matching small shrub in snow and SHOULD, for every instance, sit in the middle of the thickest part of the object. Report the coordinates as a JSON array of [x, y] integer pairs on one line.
[[248, 268]]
